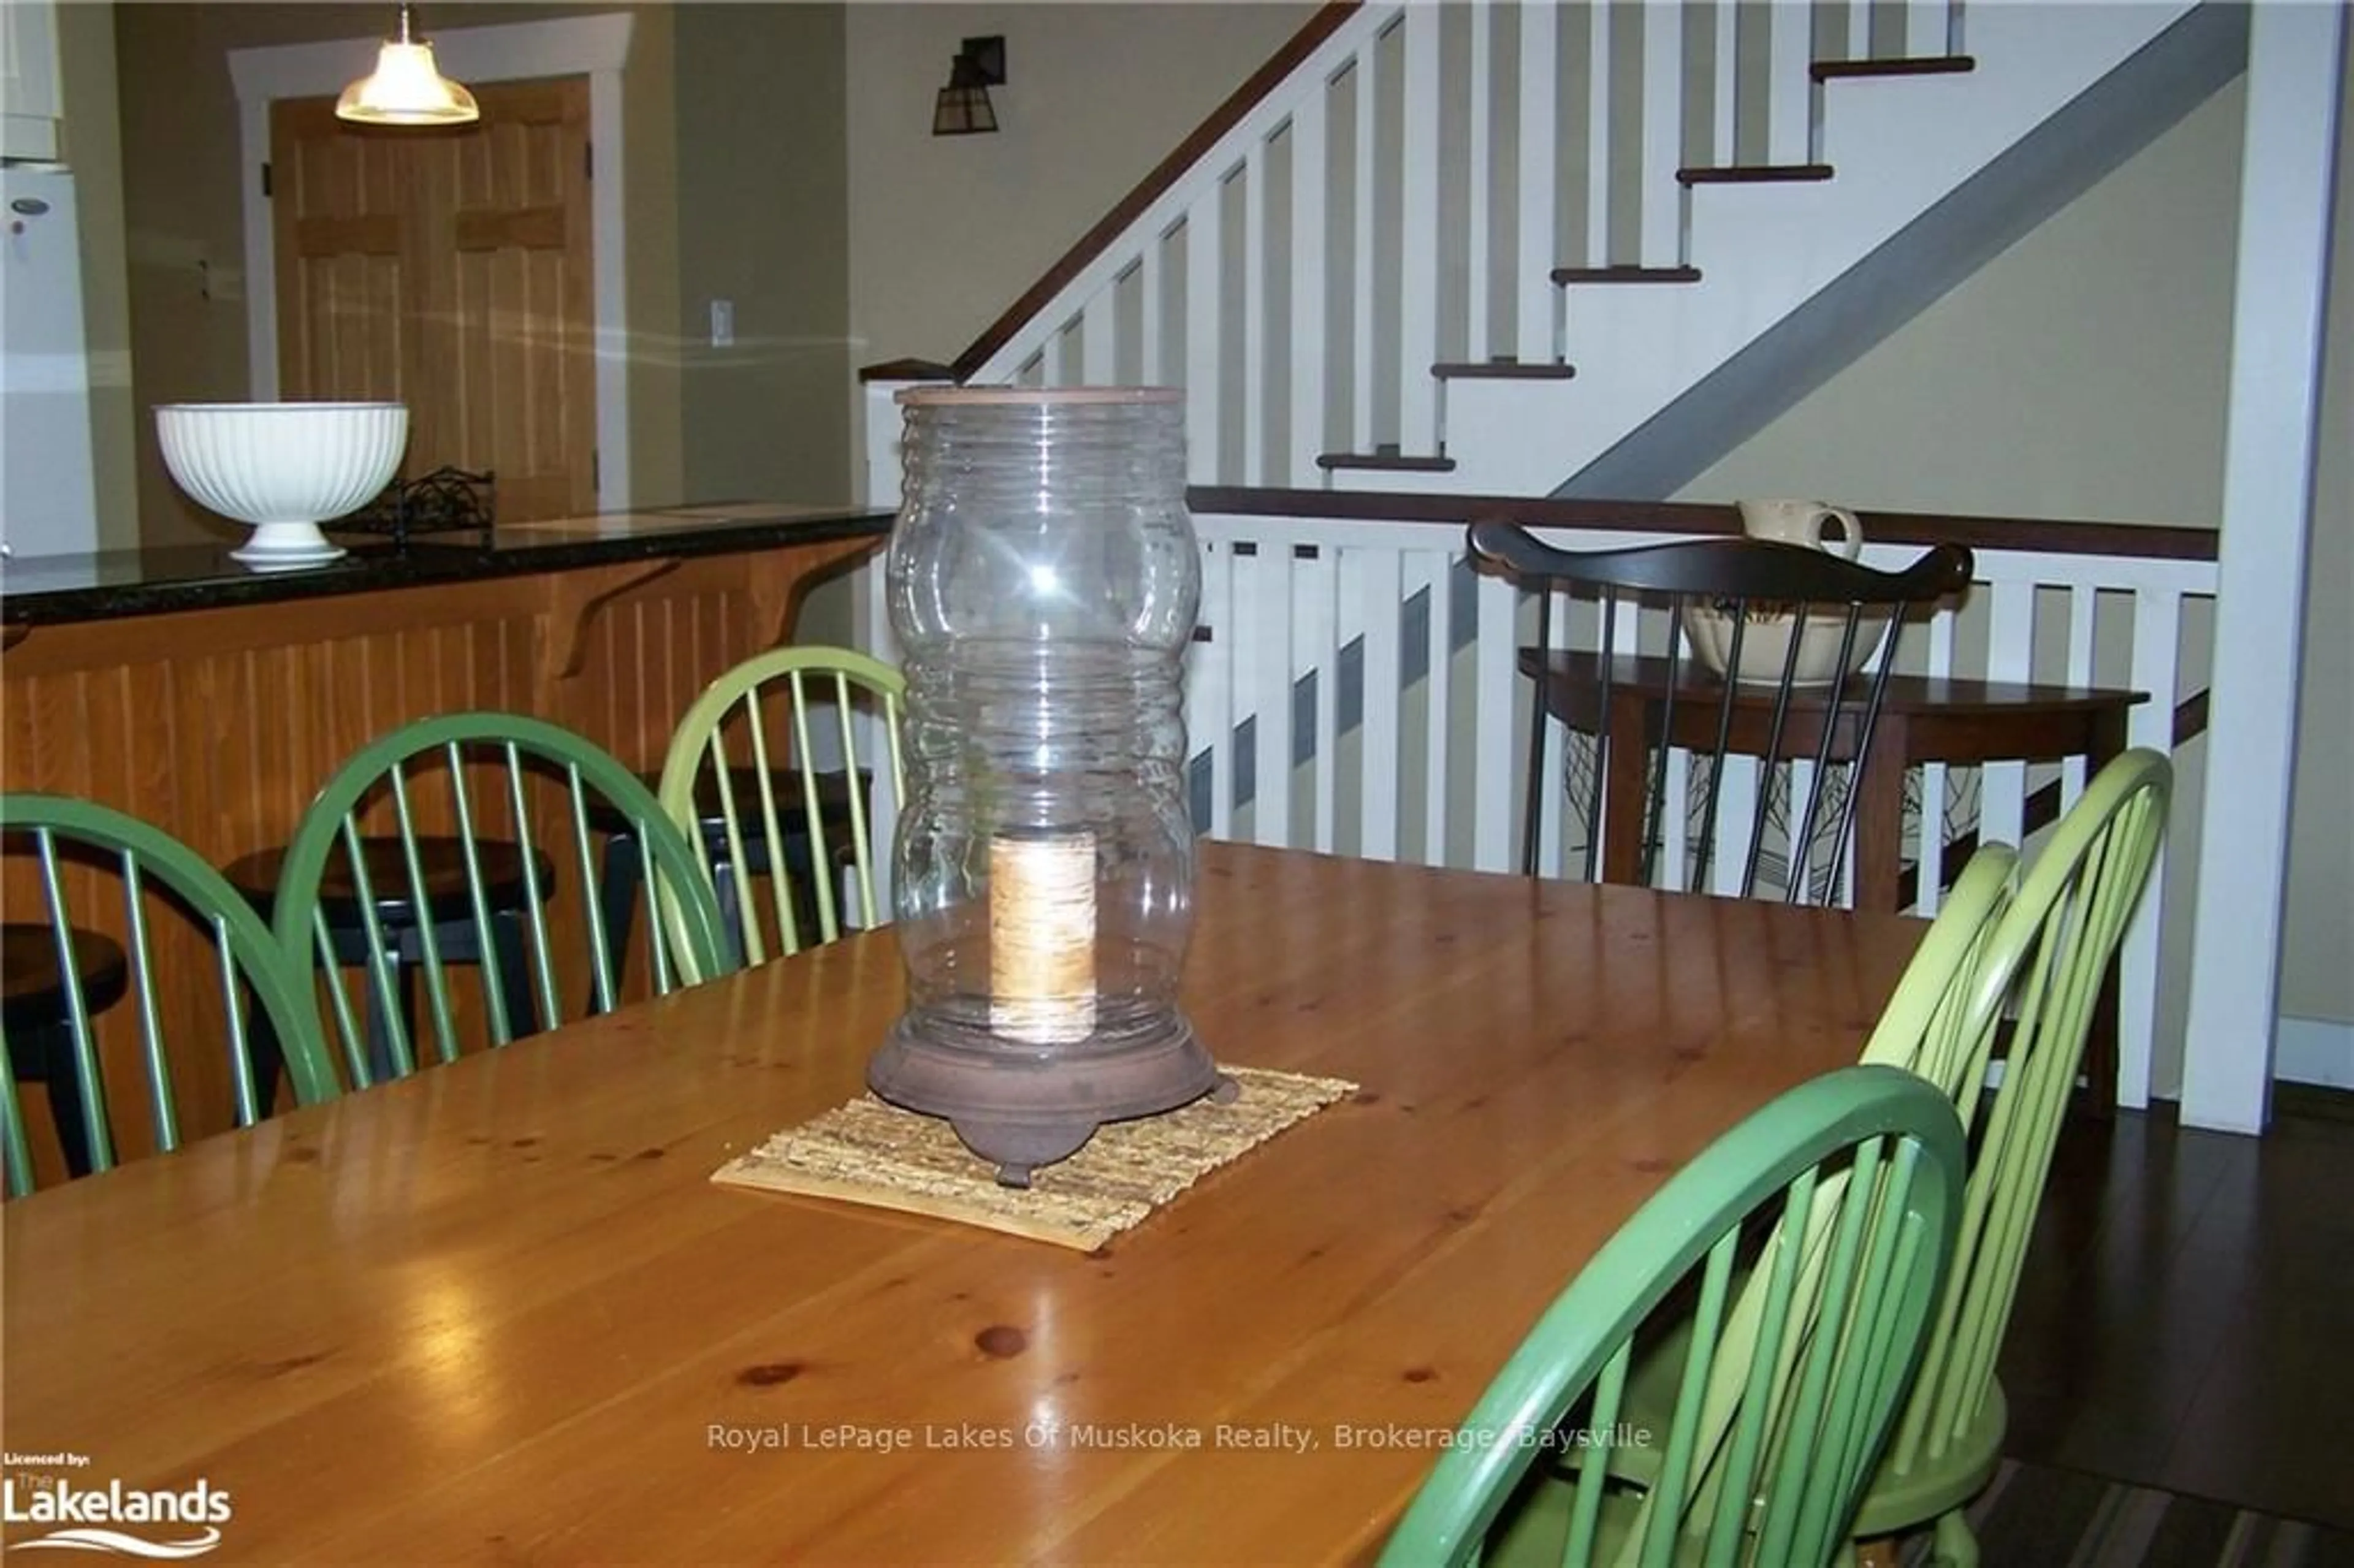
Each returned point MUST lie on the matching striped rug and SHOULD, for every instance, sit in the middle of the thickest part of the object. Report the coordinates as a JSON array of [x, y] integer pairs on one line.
[[2037, 1517]]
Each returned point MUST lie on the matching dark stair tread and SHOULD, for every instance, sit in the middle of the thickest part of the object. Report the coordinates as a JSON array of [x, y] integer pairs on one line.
[[1626, 274], [1916, 64], [1388, 459], [1755, 173], [1502, 370]]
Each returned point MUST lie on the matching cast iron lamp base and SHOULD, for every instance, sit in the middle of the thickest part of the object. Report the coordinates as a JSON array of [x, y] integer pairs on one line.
[[1020, 1108]]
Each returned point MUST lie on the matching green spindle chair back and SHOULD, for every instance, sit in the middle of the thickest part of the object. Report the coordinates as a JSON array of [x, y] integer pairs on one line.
[[2041, 968], [481, 778], [1931, 1005], [140, 872], [1777, 1480], [811, 693]]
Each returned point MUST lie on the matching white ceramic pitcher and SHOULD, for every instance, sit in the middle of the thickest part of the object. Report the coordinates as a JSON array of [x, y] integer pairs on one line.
[[1832, 528]]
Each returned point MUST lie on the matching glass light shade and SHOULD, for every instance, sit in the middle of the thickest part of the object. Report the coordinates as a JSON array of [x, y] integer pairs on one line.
[[963, 108], [407, 90], [1044, 579]]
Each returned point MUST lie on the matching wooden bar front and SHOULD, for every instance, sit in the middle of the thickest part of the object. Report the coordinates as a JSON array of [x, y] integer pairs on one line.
[[219, 724]]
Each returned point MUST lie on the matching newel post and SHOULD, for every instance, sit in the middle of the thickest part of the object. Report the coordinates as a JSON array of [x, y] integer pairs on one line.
[[2285, 180]]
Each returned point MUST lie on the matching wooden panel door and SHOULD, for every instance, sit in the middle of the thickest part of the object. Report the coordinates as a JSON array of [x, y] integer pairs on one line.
[[450, 270], [339, 203]]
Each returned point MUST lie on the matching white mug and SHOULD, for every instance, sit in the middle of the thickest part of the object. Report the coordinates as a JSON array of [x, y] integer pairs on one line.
[[1832, 528]]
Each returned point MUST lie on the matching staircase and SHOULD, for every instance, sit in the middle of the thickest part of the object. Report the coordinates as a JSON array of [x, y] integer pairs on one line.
[[1521, 248], [1507, 249]]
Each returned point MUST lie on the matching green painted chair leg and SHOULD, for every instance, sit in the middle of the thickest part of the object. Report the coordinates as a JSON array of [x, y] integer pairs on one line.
[[1956, 1547]]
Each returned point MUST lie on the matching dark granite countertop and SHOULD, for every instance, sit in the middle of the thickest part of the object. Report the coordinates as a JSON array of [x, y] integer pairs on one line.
[[55, 591]]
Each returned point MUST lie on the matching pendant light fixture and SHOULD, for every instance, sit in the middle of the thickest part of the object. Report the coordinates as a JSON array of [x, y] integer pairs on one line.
[[405, 89]]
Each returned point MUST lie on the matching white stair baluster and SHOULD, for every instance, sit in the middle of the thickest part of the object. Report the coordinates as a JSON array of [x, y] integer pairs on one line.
[[1532, 295], [1736, 804], [1496, 666], [1438, 706], [2080, 602], [1210, 723], [1255, 261], [1789, 85], [1481, 173], [1925, 25], [1601, 147], [1310, 155], [1553, 804], [1203, 263], [1099, 340], [1379, 589], [2156, 669], [1360, 290], [1270, 609], [1418, 240], [1152, 302], [1317, 589], [1662, 200], [1724, 119], [1932, 879], [2002, 786]]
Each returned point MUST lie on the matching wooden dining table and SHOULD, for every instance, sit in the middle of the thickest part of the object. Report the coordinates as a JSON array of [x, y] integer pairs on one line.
[[498, 1312]]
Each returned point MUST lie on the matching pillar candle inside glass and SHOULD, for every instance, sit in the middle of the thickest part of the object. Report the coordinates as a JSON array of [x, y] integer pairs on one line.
[[1042, 936]]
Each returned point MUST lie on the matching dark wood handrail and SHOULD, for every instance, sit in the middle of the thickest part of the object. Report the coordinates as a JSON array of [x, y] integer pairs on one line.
[[2038, 535], [1092, 244]]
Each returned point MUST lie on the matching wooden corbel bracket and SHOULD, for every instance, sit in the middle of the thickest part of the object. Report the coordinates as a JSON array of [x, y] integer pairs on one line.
[[574, 600]]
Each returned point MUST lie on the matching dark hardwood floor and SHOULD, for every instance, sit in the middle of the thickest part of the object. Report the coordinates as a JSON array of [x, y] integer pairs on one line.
[[2186, 1316]]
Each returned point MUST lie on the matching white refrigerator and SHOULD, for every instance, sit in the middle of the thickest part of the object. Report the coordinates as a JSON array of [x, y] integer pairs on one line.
[[47, 505]]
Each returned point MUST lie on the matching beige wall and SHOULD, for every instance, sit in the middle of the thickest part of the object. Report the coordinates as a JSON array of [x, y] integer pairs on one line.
[[1974, 407], [2084, 373], [945, 232], [92, 148], [2318, 955], [762, 195], [649, 247]]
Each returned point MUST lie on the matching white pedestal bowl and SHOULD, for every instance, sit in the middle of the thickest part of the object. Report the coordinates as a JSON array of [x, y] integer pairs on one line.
[[284, 468]]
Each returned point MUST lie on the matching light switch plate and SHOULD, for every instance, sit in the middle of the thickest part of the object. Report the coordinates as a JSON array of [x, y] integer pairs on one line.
[[723, 324]]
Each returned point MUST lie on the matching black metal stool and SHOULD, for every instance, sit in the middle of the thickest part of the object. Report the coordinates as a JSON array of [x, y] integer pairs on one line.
[[624, 872], [448, 904], [38, 1017]]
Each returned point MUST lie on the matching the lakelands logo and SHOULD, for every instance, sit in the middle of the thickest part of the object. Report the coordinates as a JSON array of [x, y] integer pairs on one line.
[[90, 1518]]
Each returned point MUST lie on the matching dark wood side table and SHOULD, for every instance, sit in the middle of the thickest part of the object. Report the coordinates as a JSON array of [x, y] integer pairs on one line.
[[1922, 719]]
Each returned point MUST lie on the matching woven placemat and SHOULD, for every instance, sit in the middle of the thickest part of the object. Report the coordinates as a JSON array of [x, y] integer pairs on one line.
[[876, 1154]]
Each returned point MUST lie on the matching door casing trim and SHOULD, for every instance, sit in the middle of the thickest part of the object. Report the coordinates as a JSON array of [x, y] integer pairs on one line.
[[596, 47]]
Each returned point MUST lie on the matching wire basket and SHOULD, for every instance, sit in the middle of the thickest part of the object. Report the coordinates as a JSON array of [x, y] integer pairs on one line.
[[447, 501]]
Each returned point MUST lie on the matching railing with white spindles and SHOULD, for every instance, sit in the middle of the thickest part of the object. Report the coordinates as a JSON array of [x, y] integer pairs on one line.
[[1356, 688], [1401, 198]]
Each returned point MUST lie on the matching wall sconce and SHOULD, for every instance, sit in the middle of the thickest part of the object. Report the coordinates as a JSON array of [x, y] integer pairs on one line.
[[963, 108], [406, 88]]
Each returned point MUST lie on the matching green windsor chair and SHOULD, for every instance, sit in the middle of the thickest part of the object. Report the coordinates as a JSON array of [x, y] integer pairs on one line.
[[183, 931], [1766, 1453], [728, 784], [473, 777], [2030, 997]]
